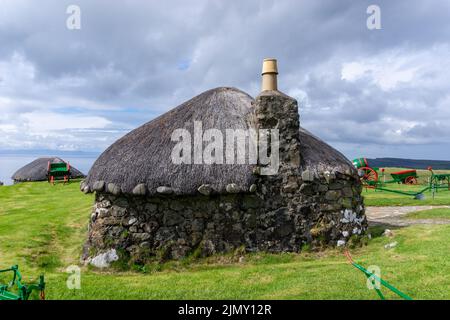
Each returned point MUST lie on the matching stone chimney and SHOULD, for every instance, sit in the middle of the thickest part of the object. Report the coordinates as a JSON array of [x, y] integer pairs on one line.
[[276, 110]]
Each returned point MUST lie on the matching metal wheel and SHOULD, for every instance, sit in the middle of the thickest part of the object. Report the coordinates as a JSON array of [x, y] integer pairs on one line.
[[411, 180], [368, 176]]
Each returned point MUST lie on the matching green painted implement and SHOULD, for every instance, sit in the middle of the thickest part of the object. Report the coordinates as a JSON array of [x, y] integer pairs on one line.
[[367, 174], [371, 178], [58, 170], [439, 181], [360, 163], [404, 177], [23, 291]]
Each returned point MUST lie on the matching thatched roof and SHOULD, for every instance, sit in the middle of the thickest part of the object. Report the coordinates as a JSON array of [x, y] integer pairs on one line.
[[37, 170], [318, 156], [143, 156]]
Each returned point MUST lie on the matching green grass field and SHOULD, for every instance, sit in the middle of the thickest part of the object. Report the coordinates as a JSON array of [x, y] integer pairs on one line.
[[438, 213], [42, 228], [384, 198]]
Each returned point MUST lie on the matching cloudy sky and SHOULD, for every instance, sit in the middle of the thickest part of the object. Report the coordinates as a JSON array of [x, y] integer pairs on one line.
[[366, 92]]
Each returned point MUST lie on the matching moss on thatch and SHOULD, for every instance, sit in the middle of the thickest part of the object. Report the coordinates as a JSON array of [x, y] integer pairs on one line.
[[37, 170]]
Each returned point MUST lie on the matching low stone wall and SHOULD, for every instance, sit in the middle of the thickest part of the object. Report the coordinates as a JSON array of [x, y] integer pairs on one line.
[[322, 210]]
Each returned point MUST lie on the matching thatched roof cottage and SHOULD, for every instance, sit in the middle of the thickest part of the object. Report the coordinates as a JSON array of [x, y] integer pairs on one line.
[[37, 170], [169, 189]]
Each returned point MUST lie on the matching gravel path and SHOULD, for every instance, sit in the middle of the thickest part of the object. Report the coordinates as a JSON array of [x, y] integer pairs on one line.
[[394, 216]]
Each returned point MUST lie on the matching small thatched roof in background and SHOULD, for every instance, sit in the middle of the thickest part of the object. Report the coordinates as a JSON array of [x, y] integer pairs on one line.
[[37, 170]]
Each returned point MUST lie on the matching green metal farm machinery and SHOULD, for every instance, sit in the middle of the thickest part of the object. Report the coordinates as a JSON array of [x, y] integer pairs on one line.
[[58, 170], [370, 178], [23, 291]]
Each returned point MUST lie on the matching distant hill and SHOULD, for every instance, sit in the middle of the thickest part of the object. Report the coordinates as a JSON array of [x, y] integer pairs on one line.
[[409, 163]]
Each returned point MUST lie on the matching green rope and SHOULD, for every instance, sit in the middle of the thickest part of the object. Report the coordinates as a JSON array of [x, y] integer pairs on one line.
[[384, 283]]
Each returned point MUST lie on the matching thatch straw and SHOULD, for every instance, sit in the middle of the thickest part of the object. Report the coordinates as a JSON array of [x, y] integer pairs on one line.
[[143, 156], [318, 156], [37, 170]]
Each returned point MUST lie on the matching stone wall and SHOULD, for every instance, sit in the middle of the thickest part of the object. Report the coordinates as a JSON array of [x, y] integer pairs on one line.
[[167, 227]]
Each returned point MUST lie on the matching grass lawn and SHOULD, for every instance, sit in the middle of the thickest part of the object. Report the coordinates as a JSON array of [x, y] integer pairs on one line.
[[438, 213], [384, 198], [42, 228]]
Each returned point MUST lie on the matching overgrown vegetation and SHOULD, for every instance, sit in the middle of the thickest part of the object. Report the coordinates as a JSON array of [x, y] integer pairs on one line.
[[42, 228]]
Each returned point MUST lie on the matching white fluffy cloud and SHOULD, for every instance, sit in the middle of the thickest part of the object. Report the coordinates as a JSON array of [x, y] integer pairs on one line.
[[400, 67]]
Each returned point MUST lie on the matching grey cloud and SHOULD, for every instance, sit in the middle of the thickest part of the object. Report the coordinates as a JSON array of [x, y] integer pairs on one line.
[[128, 55]]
